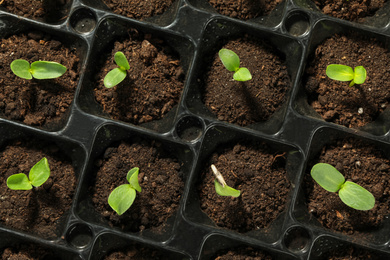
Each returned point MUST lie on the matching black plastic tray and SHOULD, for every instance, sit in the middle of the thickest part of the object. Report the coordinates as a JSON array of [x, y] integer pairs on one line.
[[192, 133]]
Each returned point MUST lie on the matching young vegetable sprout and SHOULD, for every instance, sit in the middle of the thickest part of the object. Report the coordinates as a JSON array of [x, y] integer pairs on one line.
[[352, 194], [122, 197], [346, 73], [38, 69], [117, 75], [231, 61], [38, 175], [221, 187]]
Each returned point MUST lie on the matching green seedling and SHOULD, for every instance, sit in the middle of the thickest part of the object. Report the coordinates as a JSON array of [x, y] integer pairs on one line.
[[38, 175], [352, 194], [346, 73], [122, 197], [221, 187], [231, 61], [117, 75], [38, 69]]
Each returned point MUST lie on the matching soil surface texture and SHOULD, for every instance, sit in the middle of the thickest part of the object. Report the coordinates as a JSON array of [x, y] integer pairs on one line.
[[243, 253], [37, 102], [334, 100], [351, 10], [153, 84], [350, 253], [46, 10], [244, 103], [358, 162], [138, 9], [39, 210], [159, 177], [261, 178], [26, 252], [138, 253], [244, 9]]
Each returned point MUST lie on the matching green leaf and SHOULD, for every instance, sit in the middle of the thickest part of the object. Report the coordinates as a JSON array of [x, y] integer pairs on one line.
[[114, 77], [357, 197], [229, 59], [132, 178], [21, 68], [19, 182], [360, 75], [340, 72], [121, 198], [225, 191], [39, 173], [242, 74], [121, 61], [47, 69], [327, 176]]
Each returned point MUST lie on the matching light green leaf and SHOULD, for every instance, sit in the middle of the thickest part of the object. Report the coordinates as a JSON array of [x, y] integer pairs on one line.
[[230, 59], [121, 198], [327, 176], [121, 61], [19, 182], [47, 69], [340, 72], [114, 77], [225, 191], [132, 178], [357, 197], [21, 68], [242, 74], [360, 75], [39, 173]]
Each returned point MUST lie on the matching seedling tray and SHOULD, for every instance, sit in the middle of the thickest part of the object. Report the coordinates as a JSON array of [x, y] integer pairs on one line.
[[192, 134]]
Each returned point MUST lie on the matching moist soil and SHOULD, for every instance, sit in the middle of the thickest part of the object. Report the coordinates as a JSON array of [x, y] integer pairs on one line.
[[138, 9], [37, 102], [260, 176], [40, 210], [244, 103], [244, 9], [138, 253], [26, 252], [153, 84], [334, 100], [358, 162], [351, 10], [46, 10], [243, 253], [159, 177]]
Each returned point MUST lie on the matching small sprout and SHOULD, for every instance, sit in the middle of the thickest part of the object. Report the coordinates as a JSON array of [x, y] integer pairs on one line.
[[352, 194], [117, 75], [231, 61], [38, 69], [122, 197], [346, 73], [221, 187], [38, 175]]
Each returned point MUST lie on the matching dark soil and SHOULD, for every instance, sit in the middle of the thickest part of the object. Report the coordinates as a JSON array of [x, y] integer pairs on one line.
[[245, 103], [36, 102], [137, 253], [47, 10], [350, 253], [334, 100], [159, 177], [26, 252], [37, 211], [260, 176], [351, 10], [138, 9], [153, 84], [358, 162], [243, 253], [244, 9]]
